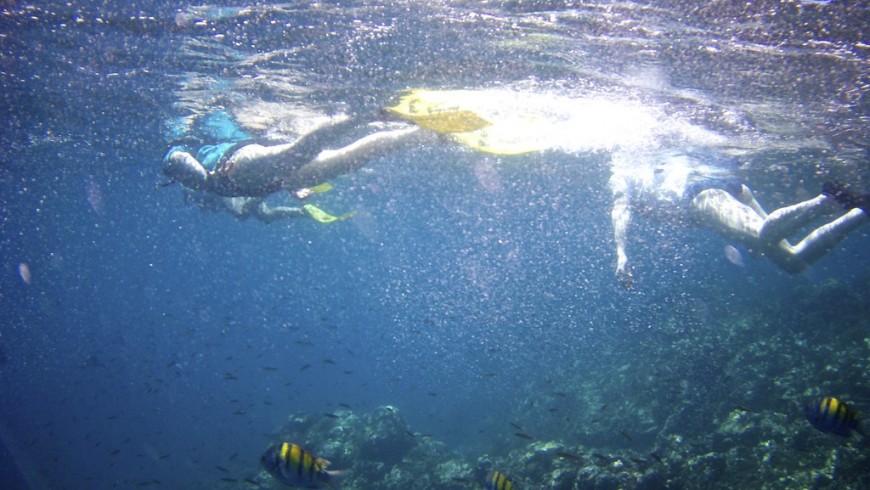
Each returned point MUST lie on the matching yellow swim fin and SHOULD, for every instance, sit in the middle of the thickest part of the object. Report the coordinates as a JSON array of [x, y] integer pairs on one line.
[[322, 216], [446, 122], [435, 115], [492, 121], [324, 187]]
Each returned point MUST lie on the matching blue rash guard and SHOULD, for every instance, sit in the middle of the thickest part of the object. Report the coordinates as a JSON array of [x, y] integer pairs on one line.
[[210, 155], [215, 126]]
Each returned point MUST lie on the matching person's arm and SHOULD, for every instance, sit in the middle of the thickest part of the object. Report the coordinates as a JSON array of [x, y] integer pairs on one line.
[[621, 218], [330, 164]]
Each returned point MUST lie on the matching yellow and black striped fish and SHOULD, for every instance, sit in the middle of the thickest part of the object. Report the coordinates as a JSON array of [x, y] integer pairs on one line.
[[497, 481], [828, 414], [294, 466]]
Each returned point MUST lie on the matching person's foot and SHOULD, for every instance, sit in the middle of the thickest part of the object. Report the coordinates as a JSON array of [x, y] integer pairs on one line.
[[847, 198], [840, 192]]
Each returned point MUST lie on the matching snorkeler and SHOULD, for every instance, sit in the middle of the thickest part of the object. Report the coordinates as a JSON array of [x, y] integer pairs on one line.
[[243, 167], [680, 188], [256, 207], [243, 207]]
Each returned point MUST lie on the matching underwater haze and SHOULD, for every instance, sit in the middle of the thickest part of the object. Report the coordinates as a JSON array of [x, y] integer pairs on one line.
[[467, 317]]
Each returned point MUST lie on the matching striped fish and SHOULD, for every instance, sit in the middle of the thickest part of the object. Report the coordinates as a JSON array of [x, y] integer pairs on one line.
[[828, 414], [294, 466], [497, 481]]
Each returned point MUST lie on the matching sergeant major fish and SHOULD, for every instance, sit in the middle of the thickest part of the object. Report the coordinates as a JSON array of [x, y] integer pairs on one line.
[[828, 414], [497, 481], [294, 466]]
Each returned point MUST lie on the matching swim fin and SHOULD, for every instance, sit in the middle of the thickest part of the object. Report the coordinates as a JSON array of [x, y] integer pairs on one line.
[[436, 116], [322, 216], [324, 187], [476, 119], [447, 122]]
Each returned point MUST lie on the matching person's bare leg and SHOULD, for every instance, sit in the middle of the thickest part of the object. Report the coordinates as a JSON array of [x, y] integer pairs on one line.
[[268, 214], [254, 169], [789, 219], [748, 198], [719, 210], [333, 163], [821, 240], [241, 207]]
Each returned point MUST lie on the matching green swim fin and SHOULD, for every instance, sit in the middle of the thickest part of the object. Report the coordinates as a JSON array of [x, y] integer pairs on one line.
[[322, 216], [324, 187]]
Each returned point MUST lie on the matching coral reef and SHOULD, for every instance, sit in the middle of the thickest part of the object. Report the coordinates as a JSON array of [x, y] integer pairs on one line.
[[748, 450], [724, 411]]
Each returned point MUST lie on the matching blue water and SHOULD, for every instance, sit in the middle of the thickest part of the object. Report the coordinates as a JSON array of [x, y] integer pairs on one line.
[[156, 341]]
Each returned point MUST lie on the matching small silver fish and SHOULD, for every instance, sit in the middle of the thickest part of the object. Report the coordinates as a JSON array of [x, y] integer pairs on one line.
[[734, 256]]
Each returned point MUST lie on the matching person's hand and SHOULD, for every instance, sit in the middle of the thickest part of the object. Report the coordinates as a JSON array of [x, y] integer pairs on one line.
[[625, 278]]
